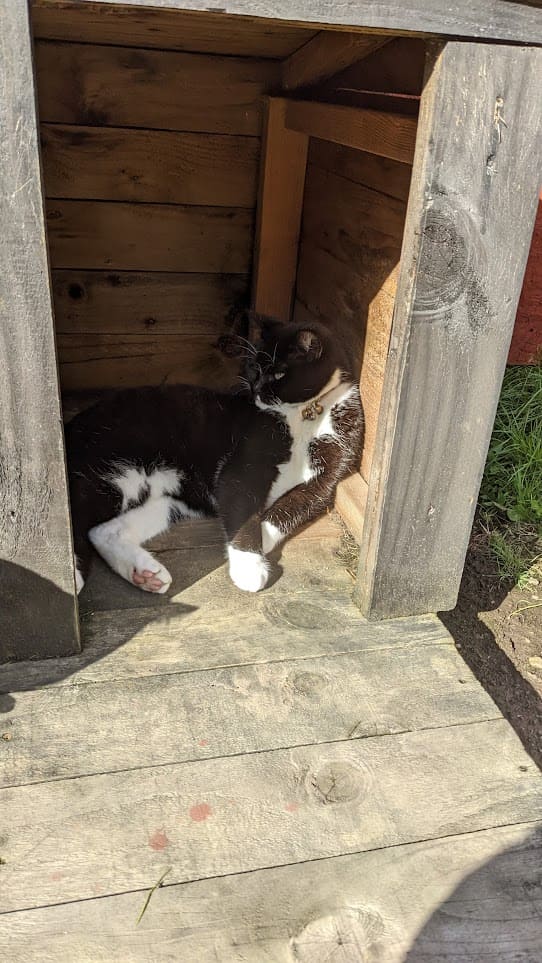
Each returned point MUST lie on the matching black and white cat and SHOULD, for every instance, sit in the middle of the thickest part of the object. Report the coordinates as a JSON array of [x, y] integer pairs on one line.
[[265, 462]]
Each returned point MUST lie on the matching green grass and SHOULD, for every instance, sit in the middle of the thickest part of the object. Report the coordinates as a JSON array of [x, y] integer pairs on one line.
[[510, 500]]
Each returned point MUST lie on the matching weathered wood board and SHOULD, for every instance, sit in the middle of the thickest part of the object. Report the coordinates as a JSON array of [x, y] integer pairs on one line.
[[467, 896], [162, 167], [476, 174], [150, 302], [167, 29], [130, 87], [90, 361], [38, 610], [149, 237], [251, 811], [505, 19], [242, 709]]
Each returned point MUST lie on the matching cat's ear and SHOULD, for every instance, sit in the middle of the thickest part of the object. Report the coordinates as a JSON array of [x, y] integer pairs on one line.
[[307, 345]]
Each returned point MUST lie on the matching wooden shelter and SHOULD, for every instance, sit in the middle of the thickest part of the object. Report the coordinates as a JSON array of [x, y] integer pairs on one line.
[[308, 781]]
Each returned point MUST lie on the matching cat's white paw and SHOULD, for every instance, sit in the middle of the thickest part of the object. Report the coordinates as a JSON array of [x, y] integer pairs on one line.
[[148, 574], [248, 570], [271, 536]]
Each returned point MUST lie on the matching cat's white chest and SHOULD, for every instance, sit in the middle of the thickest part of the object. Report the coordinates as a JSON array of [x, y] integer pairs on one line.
[[299, 467]]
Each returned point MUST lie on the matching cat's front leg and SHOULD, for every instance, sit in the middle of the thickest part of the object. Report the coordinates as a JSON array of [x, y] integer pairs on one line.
[[238, 508], [294, 509]]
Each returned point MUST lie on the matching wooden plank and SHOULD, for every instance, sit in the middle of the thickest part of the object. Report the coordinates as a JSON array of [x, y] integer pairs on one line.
[[224, 712], [132, 87], [379, 173], [148, 237], [326, 54], [350, 502], [347, 277], [94, 361], [467, 897], [137, 302], [119, 831], [461, 274], [389, 79], [385, 134], [280, 204], [198, 576], [115, 164], [39, 609], [314, 617], [204, 32], [504, 20]]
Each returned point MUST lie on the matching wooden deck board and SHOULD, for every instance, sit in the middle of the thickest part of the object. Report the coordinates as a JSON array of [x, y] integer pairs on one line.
[[383, 901], [117, 832], [308, 776], [223, 712]]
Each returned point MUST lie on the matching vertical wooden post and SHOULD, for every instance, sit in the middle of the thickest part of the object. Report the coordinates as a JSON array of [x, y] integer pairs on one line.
[[469, 222], [38, 606], [280, 205]]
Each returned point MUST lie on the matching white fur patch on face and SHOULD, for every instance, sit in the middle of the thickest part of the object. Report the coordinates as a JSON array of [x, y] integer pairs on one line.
[[271, 536], [248, 570]]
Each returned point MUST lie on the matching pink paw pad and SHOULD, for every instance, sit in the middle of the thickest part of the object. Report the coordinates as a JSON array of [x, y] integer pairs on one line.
[[147, 580]]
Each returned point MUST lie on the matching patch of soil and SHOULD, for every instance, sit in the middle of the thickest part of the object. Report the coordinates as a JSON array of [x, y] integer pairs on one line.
[[503, 646]]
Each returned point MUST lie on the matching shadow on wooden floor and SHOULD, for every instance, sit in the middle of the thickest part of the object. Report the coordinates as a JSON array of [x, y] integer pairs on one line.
[[493, 914], [51, 671], [516, 698]]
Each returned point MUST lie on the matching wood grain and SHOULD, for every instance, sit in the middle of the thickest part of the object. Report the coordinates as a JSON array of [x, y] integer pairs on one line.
[[280, 205], [137, 302], [129, 634], [240, 710], [39, 609], [506, 19], [148, 237], [375, 131], [91, 361], [465, 893], [459, 285], [235, 814], [132, 87], [347, 275], [350, 502], [379, 173], [135, 26], [116, 164], [326, 54]]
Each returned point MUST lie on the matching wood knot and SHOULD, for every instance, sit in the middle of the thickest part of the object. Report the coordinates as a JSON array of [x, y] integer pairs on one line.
[[305, 615], [348, 935], [338, 781], [308, 683]]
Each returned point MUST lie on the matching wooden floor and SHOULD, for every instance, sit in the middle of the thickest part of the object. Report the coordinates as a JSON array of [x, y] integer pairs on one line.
[[310, 786]]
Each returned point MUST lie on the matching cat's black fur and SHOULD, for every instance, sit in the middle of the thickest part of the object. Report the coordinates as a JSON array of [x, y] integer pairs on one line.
[[225, 448]]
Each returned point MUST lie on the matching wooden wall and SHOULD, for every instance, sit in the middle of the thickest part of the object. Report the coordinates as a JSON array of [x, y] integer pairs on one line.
[[150, 161], [355, 206]]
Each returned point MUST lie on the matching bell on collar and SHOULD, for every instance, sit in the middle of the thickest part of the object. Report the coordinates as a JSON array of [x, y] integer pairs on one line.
[[311, 411]]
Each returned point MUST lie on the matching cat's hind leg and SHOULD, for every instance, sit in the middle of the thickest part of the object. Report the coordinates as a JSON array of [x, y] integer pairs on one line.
[[119, 542]]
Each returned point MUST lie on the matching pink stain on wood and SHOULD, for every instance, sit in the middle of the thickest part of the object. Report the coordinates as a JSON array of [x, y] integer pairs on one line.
[[158, 841], [200, 812], [292, 807], [203, 742], [56, 876]]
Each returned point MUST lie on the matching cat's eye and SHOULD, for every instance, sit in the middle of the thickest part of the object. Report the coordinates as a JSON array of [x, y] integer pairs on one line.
[[279, 375]]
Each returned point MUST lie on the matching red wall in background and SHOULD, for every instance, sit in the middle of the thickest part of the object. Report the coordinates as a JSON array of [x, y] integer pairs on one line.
[[526, 346]]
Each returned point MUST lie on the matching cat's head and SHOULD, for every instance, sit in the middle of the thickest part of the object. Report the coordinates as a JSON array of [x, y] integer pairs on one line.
[[292, 363]]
